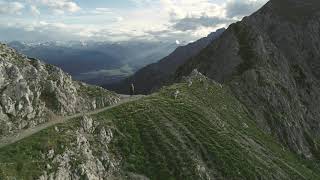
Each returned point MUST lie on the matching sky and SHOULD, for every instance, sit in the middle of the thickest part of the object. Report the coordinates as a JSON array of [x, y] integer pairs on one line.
[[118, 20]]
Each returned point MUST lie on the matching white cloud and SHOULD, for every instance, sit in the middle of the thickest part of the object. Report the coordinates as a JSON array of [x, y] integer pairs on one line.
[[179, 9], [57, 6], [141, 2], [58, 12], [193, 23], [34, 10], [204, 31], [200, 17], [240, 8], [186, 20], [11, 7], [119, 19], [102, 11]]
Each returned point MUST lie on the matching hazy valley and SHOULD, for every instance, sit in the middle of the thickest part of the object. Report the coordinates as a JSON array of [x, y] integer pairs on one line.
[[97, 63]]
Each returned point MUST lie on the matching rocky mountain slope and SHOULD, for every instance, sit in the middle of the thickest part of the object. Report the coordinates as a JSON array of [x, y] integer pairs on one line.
[[195, 129], [157, 74], [32, 92], [271, 62]]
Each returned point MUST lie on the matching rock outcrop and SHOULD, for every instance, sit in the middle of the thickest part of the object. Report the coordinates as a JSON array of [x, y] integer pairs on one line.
[[84, 159], [32, 92]]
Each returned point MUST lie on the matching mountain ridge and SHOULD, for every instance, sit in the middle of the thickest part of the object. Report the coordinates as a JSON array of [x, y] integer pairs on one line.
[[271, 63], [202, 133]]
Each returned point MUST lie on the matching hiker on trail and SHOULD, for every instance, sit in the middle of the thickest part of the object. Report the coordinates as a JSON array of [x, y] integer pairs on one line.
[[132, 89], [176, 93]]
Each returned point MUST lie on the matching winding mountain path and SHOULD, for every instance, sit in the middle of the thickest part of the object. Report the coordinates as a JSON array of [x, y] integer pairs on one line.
[[58, 120]]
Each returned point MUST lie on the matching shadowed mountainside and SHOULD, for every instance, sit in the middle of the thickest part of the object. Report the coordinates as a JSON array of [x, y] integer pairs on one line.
[[270, 60]]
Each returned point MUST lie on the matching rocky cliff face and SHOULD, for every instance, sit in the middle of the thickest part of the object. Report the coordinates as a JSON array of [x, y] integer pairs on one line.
[[271, 61], [31, 92], [83, 158]]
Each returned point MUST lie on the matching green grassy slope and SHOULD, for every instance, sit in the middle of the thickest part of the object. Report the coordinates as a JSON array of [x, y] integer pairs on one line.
[[203, 133]]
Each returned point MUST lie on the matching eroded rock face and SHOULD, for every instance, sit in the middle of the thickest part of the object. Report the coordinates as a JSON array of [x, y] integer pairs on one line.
[[84, 158], [87, 124], [31, 91]]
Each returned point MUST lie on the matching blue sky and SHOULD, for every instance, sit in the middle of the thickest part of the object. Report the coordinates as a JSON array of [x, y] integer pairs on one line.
[[118, 20]]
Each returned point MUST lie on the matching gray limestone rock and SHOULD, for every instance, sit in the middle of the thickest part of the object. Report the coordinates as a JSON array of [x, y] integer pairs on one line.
[[87, 158], [31, 91]]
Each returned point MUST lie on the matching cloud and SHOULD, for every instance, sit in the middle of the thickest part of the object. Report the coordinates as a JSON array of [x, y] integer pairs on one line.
[[240, 8], [193, 23], [141, 2], [41, 31], [34, 10], [179, 9], [102, 11], [57, 6], [199, 16], [119, 18], [194, 14], [57, 31], [11, 7], [164, 20], [177, 19]]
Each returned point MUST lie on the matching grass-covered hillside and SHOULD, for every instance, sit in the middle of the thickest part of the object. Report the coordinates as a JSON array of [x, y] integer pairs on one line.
[[203, 133]]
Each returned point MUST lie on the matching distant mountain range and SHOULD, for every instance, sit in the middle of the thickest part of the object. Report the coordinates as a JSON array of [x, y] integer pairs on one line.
[[97, 62]]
